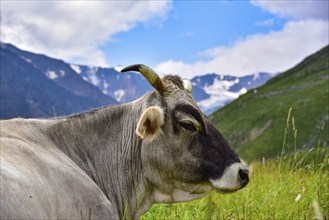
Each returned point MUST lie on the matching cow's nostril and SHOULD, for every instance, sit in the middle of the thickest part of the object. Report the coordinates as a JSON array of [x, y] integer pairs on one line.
[[244, 176]]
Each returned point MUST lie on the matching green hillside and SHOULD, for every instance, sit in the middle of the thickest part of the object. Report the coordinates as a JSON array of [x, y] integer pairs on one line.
[[255, 123]]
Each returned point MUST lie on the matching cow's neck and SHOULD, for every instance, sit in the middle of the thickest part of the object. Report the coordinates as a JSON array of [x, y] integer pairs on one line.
[[104, 144]]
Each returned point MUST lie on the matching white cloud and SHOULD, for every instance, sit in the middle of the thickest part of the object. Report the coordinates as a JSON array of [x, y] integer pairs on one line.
[[298, 9], [73, 30], [273, 52]]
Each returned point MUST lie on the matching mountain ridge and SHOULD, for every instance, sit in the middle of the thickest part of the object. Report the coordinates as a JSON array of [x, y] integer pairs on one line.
[[27, 91], [102, 86], [259, 129], [62, 75]]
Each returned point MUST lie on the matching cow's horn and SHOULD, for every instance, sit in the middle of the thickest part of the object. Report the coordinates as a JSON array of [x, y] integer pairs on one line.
[[149, 74]]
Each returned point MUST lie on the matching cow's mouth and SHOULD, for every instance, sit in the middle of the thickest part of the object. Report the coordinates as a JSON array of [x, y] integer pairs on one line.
[[226, 191]]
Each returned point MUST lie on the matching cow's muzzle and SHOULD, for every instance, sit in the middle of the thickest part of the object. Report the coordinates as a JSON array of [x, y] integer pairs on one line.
[[235, 177]]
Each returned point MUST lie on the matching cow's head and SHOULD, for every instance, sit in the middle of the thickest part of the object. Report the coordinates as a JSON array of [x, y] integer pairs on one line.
[[184, 156]]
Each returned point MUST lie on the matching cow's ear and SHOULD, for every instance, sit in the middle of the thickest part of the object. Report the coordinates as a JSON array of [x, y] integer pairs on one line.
[[149, 124]]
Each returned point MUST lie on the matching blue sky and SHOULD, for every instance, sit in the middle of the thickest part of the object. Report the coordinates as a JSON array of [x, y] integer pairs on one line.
[[185, 37], [190, 27]]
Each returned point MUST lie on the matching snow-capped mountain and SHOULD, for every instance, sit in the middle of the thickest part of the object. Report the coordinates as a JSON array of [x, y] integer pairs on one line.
[[34, 85], [123, 87], [211, 91], [222, 89], [75, 88]]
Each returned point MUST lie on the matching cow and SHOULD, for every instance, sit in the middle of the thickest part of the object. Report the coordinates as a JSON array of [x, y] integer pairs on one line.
[[115, 162]]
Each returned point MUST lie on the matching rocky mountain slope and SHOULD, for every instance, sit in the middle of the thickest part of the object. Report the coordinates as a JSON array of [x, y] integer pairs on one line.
[[34, 85]]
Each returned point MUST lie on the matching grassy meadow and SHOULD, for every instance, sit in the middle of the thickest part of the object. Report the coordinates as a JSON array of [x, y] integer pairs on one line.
[[290, 188]]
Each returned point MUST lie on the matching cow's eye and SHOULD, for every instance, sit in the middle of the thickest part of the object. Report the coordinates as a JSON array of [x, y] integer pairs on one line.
[[188, 125]]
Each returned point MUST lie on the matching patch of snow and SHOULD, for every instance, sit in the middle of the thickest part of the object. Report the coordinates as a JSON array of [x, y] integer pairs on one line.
[[256, 76], [85, 78], [218, 85], [118, 68], [62, 72], [76, 68], [105, 85], [243, 91], [92, 70], [219, 99], [51, 74], [197, 82], [219, 95], [119, 94], [94, 79], [27, 60]]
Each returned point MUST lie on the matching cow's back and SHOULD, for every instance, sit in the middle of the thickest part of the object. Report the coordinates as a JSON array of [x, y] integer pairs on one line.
[[39, 181]]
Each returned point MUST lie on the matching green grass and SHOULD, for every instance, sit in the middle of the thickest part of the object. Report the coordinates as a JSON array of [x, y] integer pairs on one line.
[[289, 189]]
